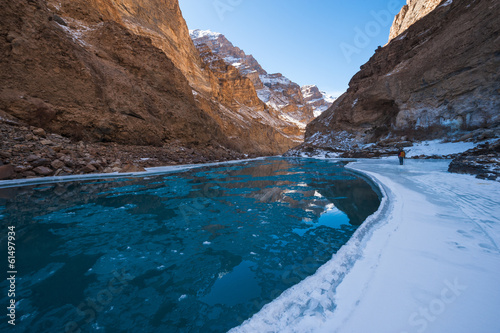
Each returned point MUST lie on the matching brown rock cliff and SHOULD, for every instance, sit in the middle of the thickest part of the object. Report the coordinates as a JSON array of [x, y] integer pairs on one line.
[[159, 20], [127, 71], [283, 98], [413, 11], [439, 80], [94, 79]]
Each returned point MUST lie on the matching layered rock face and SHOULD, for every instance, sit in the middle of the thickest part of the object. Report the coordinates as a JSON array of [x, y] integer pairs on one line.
[[413, 11], [127, 71], [159, 20], [283, 98], [318, 100], [88, 77], [440, 78], [250, 125]]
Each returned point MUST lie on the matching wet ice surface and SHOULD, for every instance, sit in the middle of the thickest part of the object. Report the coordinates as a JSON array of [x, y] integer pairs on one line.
[[427, 261], [194, 251]]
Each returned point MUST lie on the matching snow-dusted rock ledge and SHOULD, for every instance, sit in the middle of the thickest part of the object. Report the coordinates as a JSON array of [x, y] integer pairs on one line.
[[427, 261]]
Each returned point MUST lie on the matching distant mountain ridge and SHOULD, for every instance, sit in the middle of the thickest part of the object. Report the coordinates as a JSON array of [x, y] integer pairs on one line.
[[275, 90], [320, 101]]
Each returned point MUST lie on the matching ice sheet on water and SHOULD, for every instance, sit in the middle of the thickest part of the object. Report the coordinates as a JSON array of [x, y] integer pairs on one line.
[[188, 234], [312, 301], [456, 217]]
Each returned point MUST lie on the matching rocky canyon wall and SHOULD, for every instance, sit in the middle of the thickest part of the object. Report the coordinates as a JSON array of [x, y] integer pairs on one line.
[[413, 11], [127, 71], [72, 68], [438, 79]]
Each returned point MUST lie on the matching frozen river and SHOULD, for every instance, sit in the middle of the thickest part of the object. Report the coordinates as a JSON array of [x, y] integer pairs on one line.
[[197, 250]]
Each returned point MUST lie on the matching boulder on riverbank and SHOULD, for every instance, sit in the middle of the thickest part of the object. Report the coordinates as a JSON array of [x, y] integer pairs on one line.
[[29, 152]]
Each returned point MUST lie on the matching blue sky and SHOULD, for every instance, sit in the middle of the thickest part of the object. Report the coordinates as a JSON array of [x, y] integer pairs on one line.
[[311, 42]]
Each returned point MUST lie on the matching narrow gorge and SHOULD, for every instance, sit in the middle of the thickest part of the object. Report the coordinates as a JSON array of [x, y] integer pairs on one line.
[[98, 86]]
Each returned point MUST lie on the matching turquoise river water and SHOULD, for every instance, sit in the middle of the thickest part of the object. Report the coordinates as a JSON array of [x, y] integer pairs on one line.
[[199, 250]]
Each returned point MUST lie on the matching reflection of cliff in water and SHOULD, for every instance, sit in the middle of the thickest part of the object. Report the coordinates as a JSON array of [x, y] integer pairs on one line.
[[356, 198], [350, 192]]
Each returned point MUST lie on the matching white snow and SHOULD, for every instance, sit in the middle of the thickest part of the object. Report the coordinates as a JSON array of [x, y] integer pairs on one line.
[[292, 120], [306, 91], [232, 60], [435, 147], [198, 33], [264, 94], [329, 98], [274, 80], [78, 33], [427, 261], [400, 37], [318, 111]]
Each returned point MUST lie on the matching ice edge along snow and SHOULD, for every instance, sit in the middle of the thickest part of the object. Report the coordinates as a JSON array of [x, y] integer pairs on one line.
[[427, 261], [150, 172], [314, 296]]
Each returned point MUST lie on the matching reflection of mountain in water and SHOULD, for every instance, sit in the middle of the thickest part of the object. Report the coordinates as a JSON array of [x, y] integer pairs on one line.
[[350, 192], [189, 240]]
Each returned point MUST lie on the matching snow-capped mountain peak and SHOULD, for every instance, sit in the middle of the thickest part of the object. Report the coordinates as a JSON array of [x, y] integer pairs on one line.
[[281, 95], [198, 33], [320, 101]]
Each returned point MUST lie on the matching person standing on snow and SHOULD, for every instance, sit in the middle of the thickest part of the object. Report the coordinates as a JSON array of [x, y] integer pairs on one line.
[[401, 156]]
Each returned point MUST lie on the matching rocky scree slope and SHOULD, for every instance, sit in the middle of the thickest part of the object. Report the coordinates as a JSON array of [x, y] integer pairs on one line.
[[439, 79], [482, 161], [28, 151]]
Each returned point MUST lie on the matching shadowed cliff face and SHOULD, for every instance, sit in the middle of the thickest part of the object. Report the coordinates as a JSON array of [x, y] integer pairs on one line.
[[413, 11], [127, 71], [439, 78], [94, 80]]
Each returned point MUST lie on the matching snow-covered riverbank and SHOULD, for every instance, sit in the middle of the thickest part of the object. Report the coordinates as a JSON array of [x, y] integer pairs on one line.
[[427, 261]]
